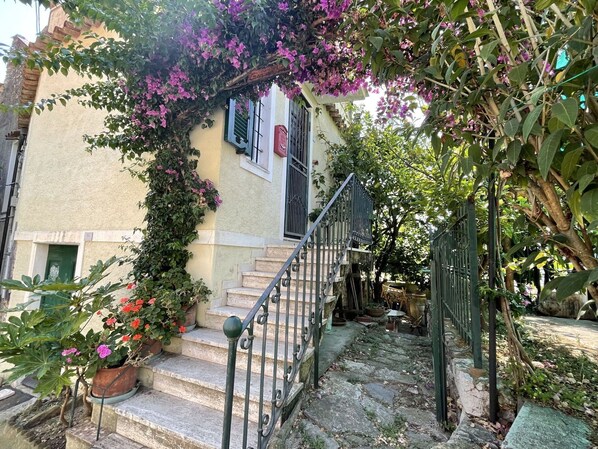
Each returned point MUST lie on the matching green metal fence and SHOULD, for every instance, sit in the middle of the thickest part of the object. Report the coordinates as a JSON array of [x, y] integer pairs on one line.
[[455, 293]]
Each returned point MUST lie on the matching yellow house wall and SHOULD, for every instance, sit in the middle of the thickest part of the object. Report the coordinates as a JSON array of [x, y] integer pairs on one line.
[[69, 196]]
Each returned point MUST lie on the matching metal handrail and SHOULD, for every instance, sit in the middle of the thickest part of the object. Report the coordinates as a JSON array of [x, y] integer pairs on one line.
[[318, 256]]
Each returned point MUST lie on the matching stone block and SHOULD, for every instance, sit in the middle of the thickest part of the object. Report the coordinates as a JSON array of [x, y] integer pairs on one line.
[[544, 428]]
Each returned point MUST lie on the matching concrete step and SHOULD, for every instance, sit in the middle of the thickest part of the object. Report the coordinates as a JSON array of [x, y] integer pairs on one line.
[[158, 420], [284, 251], [204, 382], [212, 345], [274, 264], [262, 279], [247, 297], [216, 317], [280, 251]]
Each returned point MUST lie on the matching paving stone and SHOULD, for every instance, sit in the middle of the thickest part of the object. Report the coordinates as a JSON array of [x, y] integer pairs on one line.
[[545, 428], [314, 434], [380, 392], [418, 440], [337, 414]]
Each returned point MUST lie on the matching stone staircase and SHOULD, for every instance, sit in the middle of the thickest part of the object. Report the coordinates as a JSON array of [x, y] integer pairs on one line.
[[181, 399]]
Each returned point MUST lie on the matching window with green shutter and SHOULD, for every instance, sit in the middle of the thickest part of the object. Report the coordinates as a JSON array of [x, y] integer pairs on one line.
[[238, 128]]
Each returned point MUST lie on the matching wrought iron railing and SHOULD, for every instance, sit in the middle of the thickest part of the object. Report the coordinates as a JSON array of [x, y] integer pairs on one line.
[[288, 318], [455, 272]]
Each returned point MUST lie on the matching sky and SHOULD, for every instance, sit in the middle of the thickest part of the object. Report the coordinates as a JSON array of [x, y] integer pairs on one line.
[[17, 18]]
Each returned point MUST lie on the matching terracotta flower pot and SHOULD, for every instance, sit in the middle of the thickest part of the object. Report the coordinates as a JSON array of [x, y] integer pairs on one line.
[[111, 382], [190, 317], [151, 347], [375, 311]]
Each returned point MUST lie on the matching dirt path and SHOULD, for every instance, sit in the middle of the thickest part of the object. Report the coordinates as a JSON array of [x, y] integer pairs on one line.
[[578, 335]]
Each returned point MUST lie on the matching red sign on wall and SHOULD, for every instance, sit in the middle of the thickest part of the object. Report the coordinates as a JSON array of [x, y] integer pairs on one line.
[[280, 140]]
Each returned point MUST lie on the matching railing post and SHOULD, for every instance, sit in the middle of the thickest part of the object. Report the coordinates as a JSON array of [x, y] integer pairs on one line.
[[492, 377], [233, 327], [476, 327], [318, 313], [437, 330]]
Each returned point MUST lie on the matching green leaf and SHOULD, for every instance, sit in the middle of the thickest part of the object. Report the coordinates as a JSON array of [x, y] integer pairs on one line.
[[575, 205], [518, 74], [573, 283], [475, 153], [569, 163], [436, 144], [458, 8], [543, 4], [550, 286], [504, 108], [549, 147], [589, 204], [511, 127], [529, 122], [487, 49], [566, 111], [585, 181], [377, 42], [591, 135], [529, 260], [513, 151], [498, 146], [467, 165]]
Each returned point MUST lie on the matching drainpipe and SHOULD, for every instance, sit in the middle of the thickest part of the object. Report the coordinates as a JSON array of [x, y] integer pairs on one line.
[[5, 244]]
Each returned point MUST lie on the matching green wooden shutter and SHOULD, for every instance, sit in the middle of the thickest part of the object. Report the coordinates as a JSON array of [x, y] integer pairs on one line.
[[238, 129]]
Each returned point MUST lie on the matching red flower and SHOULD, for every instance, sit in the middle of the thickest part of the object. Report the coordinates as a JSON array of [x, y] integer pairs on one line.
[[99, 313], [110, 321], [147, 326], [131, 286], [182, 329], [135, 308], [126, 338], [127, 308], [136, 322], [151, 301], [139, 302], [123, 300], [137, 337]]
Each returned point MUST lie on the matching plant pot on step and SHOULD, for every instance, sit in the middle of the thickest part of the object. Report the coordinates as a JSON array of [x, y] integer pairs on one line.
[[112, 382], [151, 347], [375, 310], [190, 317]]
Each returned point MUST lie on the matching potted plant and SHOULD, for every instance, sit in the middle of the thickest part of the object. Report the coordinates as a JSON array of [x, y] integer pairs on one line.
[[60, 344], [160, 310], [112, 362], [374, 309]]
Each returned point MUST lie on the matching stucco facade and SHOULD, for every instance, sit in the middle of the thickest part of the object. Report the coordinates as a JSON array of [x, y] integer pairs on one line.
[[71, 197]]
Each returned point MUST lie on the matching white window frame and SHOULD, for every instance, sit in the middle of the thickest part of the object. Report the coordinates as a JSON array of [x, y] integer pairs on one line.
[[263, 168]]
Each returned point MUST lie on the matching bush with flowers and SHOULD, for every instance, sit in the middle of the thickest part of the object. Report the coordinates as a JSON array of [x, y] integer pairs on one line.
[[60, 344], [154, 310]]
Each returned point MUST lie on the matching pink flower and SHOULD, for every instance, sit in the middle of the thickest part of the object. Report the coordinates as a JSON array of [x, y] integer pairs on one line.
[[103, 351], [69, 352], [283, 6], [151, 301]]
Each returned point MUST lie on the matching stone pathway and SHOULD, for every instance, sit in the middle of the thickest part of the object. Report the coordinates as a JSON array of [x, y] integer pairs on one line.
[[378, 394]]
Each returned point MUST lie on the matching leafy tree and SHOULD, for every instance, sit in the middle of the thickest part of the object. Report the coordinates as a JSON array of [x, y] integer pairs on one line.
[[511, 90], [409, 193]]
